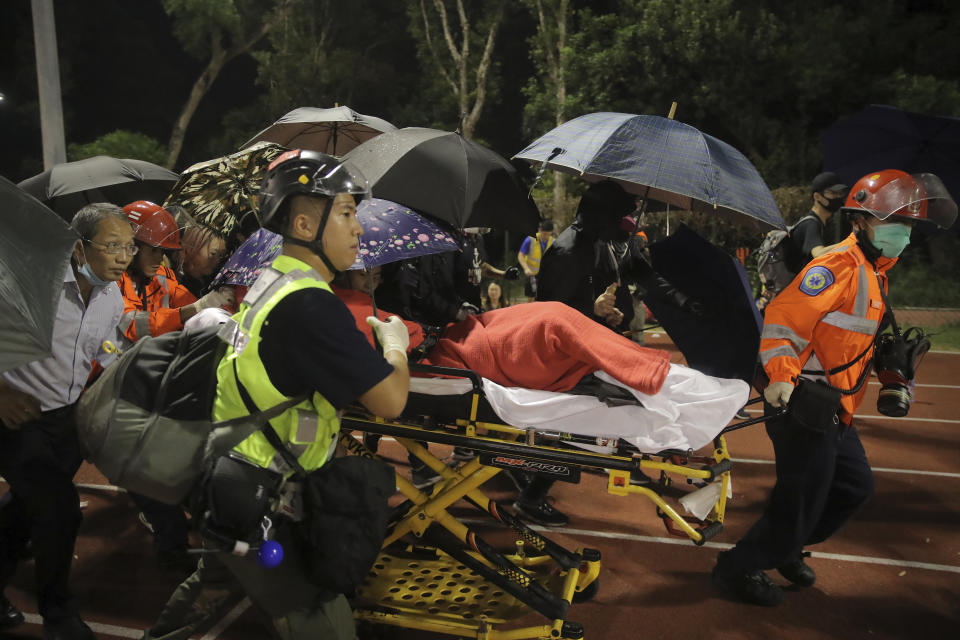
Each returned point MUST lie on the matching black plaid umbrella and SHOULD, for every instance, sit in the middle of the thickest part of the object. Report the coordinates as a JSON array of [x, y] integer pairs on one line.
[[661, 159]]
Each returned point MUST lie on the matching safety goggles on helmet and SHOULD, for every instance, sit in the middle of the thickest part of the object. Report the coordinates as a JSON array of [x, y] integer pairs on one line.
[[896, 195]]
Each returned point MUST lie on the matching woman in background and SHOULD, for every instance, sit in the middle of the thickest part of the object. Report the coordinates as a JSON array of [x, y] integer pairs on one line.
[[494, 298]]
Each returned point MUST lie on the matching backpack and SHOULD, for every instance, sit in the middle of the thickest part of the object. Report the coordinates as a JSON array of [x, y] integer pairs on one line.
[[146, 422], [779, 258]]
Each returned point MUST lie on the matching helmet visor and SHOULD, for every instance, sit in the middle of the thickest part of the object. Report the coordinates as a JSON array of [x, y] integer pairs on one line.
[[920, 196], [341, 178]]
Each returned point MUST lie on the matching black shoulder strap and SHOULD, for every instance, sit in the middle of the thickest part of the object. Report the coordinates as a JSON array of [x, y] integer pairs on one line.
[[268, 431]]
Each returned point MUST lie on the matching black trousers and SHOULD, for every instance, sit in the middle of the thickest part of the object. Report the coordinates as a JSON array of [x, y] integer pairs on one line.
[[169, 523], [39, 461], [822, 480]]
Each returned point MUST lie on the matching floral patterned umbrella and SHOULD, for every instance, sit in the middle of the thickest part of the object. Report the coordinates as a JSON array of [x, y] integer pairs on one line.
[[390, 232], [393, 232], [248, 261], [221, 194]]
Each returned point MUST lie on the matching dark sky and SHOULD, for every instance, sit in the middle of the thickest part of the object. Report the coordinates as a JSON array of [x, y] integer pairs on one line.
[[120, 68]]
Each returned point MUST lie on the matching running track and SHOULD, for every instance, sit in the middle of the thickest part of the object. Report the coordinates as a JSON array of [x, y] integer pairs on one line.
[[893, 572]]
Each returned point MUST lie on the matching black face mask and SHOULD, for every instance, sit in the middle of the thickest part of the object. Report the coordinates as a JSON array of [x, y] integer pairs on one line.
[[833, 204]]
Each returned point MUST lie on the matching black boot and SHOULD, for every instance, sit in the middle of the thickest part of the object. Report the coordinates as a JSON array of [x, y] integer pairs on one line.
[[751, 587], [10, 616], [799, 572]]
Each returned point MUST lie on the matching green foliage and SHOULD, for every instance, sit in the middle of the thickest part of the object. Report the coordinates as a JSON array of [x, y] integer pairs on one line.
[[946, 338], [927, 273], [120, 144], [197, 23]]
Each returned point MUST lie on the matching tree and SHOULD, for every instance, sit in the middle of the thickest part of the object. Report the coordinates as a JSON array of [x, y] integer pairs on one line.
[[120, 144], [218, 31], [547, 92], [453, 59]]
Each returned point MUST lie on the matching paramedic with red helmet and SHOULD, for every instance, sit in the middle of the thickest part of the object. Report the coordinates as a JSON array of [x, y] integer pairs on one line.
[[154, 302], [823, 327]]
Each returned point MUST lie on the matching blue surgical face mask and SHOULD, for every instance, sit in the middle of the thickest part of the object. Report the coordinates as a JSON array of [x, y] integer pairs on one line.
[[891, 239], [87, 272]]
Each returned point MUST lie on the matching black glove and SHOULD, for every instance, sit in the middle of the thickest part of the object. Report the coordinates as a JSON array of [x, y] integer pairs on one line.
[[513, 273]]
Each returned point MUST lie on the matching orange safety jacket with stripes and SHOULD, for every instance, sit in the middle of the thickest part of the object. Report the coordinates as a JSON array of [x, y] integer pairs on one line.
[[156, 310], [824, 319]]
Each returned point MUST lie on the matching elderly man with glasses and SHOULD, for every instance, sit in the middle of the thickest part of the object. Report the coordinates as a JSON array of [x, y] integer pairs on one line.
[[39, 452]]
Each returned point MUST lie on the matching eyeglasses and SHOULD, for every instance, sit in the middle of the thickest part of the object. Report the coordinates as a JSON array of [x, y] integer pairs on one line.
[[113, 248]]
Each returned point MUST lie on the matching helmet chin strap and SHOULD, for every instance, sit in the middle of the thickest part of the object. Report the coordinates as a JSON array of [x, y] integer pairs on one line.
[[870, 250], [316, 245]]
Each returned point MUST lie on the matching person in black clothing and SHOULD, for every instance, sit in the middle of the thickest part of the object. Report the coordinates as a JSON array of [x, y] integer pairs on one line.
[[829, 192], [589, 267]]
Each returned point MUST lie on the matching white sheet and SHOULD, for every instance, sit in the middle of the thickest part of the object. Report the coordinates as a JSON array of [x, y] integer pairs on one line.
[[688, 413]]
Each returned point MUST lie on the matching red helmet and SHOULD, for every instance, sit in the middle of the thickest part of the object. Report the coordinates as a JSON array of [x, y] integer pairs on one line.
[[895, 194], [153, 225]]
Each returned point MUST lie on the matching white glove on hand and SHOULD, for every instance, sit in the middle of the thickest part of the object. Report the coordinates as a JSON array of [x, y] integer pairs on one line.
[[778, 394], [219, 298], [392, 334]]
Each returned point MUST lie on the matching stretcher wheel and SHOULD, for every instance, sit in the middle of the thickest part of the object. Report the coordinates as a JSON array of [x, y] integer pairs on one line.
[[587, 594]]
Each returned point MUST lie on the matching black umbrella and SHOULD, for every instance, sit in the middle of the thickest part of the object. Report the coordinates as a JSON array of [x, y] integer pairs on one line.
[[35, 248], [724, 340], [445, 176], [69, 186], [882, 137], [335, 131]]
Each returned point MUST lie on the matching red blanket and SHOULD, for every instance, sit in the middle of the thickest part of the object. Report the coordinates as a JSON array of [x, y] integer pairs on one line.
[[548, 346], [361, 306], [537, 345]]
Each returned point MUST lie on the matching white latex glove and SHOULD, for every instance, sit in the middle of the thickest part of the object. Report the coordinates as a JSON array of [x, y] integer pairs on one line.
[[392, 334], [219, 298], [778, 394]]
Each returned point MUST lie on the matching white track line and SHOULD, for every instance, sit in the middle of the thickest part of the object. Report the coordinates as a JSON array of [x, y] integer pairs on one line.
[[925, 386], [227, 620], [873, 417], [97, 627], [918, 472], [723, 545]]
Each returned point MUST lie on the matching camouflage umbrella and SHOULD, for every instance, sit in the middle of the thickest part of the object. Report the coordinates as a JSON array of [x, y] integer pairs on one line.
[[221, 194]]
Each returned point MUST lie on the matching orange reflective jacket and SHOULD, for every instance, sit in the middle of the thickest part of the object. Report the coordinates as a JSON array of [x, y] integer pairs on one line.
[[825, 318], [157, 311]]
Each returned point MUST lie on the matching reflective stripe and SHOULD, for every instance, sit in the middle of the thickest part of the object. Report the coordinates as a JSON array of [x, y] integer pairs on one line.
[[162, 280], [863, 294], [142, 323], [307, 426], [850, 323], [267, 278], [264, 296], [839, 249], [125, 321], [778, 331], [770, 354]]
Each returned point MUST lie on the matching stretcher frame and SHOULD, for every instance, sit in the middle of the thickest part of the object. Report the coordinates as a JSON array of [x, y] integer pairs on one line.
[[541, 574]]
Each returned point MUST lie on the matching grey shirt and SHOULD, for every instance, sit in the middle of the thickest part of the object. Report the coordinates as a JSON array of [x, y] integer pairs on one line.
[[79, 335]]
